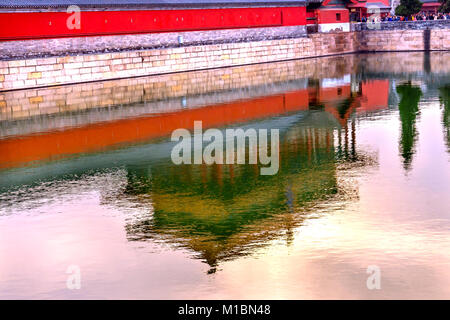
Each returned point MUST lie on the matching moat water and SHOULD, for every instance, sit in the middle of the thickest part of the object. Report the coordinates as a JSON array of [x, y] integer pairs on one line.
[[89, 195]]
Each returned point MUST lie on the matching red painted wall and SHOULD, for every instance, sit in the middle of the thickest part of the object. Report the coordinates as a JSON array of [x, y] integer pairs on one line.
[[375, 95], [34, 25], [329, 16]]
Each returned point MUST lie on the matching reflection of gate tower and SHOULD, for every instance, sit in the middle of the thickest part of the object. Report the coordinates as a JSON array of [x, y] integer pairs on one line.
[[223, 211]]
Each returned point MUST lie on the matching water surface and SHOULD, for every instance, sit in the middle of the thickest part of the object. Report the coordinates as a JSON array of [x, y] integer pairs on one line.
[[86, 179]]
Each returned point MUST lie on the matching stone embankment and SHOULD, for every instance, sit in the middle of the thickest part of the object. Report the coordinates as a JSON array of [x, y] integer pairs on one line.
[[281, 45]]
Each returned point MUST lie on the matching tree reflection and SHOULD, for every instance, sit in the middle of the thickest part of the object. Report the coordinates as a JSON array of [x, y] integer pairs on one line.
[[409, 109], [445, 100]]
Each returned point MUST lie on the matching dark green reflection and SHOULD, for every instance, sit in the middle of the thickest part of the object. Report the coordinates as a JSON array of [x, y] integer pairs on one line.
[[445, 100], [409, 109]]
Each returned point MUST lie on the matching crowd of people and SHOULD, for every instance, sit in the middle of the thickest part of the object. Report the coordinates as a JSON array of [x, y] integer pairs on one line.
[[416, 17]]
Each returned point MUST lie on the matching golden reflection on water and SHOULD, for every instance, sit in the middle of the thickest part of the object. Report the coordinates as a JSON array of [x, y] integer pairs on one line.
[[364, 180], [223, 212]]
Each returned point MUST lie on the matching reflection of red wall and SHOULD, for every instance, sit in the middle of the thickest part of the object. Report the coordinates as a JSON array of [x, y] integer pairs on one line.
[[97, 137], [296, 100], [32, 25], [90, 138], [334, 94], [375, 95], [331, 98]]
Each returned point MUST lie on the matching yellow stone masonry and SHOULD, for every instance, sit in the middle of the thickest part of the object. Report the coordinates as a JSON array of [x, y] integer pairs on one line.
[[24, 103]]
